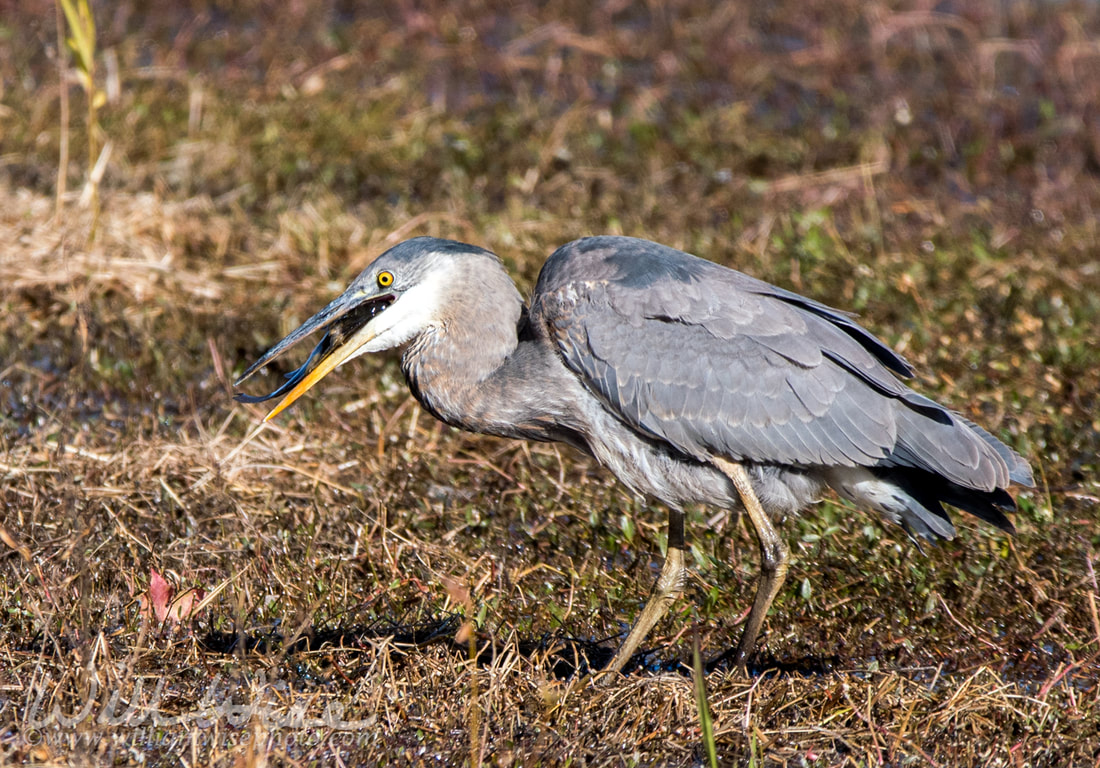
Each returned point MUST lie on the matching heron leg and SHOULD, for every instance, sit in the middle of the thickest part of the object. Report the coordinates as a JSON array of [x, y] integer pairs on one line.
[[669, 586], [774, 557]]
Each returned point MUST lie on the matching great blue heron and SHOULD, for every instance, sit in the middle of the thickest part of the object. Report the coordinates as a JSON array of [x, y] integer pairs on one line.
[[691, 382]]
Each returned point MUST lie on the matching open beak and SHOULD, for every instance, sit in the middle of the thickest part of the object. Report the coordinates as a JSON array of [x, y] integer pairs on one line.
[[346, 319]]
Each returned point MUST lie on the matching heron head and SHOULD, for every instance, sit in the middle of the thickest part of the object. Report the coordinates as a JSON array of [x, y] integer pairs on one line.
[[393, 301]]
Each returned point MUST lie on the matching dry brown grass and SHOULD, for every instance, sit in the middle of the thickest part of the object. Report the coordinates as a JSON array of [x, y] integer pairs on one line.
[[937, 172]]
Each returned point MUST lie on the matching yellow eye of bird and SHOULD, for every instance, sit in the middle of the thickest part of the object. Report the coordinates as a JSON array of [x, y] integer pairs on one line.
[[385, 279]]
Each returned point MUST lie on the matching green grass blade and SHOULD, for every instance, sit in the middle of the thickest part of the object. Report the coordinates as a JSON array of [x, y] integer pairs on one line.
[[705, 722]]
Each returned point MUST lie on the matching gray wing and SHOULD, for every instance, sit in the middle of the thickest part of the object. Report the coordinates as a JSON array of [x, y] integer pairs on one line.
[[716, 362]]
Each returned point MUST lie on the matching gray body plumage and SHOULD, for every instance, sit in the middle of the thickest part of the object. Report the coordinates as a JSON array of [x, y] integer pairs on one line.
[[691, 382], [653, 360]]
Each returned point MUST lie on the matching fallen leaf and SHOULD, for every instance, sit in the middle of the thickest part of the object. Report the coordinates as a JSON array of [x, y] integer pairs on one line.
[[161, 602]]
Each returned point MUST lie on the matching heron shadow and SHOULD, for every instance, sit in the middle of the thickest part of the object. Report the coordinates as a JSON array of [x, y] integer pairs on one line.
[[564, 657]]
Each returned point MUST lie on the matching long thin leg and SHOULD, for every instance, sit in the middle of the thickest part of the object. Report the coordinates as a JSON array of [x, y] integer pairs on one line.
[[669, 586], [774, 557]]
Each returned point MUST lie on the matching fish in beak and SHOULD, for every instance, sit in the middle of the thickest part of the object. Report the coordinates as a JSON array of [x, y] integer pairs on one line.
[[347, 322]]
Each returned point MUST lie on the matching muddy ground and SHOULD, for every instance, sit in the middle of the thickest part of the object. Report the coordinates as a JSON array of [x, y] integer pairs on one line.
[[936, 171]]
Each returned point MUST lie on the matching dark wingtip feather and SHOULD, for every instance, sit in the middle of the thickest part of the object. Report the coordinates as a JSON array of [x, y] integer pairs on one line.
[[931, 491], [985, 505]]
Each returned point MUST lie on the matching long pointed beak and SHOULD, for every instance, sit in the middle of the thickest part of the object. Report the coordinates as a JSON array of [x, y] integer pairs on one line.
[[345, 318]]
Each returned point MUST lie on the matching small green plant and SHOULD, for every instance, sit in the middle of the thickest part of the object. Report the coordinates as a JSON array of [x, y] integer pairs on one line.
[[81, 41], [705, 722]]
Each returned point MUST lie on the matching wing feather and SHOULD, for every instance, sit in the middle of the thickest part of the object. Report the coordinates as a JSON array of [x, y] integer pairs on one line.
[[717, 363]]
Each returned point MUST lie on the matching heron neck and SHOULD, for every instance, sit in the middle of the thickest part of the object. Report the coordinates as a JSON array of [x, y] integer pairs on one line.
[[455, 369]]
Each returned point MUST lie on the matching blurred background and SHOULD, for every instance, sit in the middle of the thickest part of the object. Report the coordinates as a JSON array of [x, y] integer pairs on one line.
[[183, 183]]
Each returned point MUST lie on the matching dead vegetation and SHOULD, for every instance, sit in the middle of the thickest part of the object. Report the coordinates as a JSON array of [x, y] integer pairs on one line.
[[938, 172]]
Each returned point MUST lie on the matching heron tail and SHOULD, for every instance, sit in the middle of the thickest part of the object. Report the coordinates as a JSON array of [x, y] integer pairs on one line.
[[914, 499]]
